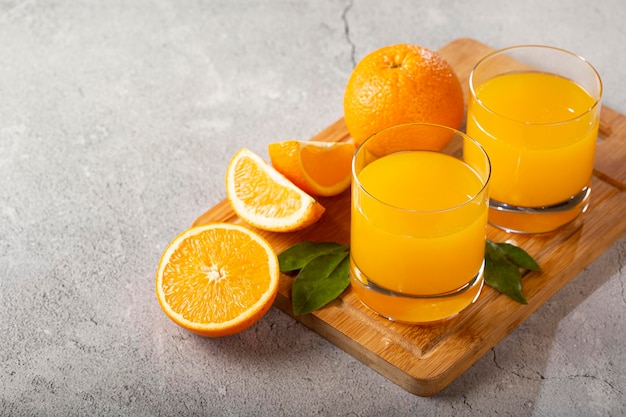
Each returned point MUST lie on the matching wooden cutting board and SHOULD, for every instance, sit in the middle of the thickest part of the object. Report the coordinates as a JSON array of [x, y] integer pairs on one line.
[[424, 359]]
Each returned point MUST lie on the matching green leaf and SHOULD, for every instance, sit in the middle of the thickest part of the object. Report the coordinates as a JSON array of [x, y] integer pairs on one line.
[[504, 277], [502, 268], [297, 256], [519, 257], [321, 280]]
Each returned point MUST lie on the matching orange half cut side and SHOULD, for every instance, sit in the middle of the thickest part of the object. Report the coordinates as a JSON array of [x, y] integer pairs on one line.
[[217, 279]]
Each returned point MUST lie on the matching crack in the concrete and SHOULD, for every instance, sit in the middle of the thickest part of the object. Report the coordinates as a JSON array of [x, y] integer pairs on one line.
[[495, 361], [542, 377], [622, 264], [595, 378], [623, 292], [346, 30], [517, 374], [466, 402]]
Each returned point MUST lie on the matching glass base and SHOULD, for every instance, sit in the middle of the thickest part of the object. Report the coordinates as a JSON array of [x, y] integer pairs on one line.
[[410, 308], [515, 219]]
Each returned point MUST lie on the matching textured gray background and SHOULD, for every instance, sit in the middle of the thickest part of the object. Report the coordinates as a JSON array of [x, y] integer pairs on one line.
[[117, 120]]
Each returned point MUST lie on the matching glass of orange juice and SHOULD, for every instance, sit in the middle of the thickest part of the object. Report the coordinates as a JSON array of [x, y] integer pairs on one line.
[[535, 109], [418, 222]]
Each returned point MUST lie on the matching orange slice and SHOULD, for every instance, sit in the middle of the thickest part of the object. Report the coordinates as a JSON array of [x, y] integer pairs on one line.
[[264, 198], [217, 279], [318, 168]]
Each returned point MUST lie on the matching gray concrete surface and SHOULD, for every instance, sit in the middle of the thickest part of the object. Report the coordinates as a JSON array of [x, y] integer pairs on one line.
[[117, 119]]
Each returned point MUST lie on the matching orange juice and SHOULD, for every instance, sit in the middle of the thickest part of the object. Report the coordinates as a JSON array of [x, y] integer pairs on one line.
[[535, 109], [417, 234], [541, 149]]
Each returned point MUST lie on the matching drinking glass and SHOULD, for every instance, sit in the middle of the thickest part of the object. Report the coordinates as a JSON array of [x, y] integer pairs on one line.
[[535, 109], [418, 222]]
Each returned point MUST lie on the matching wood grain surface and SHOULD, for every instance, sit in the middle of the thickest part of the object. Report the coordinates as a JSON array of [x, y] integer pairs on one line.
[[424, 359]]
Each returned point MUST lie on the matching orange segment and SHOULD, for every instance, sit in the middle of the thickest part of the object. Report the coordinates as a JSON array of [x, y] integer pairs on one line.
[[217, 279], [264, 198], [318, 168]]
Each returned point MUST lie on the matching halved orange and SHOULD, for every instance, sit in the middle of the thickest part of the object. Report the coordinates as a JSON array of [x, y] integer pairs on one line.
[[264, 198], [217, 279], [318, 168]]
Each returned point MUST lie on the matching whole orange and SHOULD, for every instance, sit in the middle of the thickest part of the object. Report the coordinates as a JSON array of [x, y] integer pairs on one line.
[[400, 84]]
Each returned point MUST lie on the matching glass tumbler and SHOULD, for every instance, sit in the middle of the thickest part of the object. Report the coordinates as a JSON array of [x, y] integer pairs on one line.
[[418, 222], [535, 109]]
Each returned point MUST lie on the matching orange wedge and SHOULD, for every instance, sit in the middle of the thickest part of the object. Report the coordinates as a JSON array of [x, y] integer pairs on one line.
[[217, 279], [318, 168], [264, 198]]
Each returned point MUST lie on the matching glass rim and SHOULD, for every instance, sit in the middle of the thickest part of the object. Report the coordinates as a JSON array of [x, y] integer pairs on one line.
[[504, 51], [473, 197]]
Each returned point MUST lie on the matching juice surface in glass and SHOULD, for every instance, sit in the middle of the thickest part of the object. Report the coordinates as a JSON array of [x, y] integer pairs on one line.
[[423, 233], [539, 133]]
